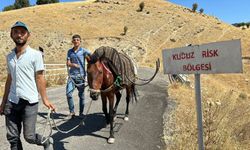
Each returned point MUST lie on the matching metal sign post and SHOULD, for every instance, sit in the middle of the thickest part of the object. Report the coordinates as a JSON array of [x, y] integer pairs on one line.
[[199, 111], [211, 58]]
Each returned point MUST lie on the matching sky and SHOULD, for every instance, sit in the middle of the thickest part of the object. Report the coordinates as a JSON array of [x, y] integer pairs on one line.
[[229, 11]]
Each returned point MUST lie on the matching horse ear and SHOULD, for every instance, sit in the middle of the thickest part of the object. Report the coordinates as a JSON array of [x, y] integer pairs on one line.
[[41, 49], [88, 58]]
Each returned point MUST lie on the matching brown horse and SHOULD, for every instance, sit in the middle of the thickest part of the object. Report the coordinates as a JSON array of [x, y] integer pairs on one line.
[[101, 80]]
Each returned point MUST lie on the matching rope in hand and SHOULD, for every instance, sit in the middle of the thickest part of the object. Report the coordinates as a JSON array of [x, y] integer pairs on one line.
[[48, 121], [46, 124]]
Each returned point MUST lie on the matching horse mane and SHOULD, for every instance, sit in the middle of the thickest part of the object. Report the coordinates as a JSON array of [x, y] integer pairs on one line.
[[93, 58], [99, 53]]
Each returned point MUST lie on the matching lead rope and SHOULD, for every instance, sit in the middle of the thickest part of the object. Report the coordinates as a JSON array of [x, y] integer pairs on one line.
[[48, 121], [77, 85]]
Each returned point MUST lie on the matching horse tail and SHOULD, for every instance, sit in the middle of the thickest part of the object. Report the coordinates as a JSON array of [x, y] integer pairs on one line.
[[134, 93]]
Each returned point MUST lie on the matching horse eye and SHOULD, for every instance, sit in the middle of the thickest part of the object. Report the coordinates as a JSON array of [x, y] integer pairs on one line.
[[100, 72]]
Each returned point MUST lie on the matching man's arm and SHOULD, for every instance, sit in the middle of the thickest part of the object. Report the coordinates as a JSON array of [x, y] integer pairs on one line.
[[41, 85], [6, 93]]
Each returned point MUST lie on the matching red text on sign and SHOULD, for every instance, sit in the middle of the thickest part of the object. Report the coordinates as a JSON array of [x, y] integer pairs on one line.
[[182, 55], [197, 67], [210, 53]]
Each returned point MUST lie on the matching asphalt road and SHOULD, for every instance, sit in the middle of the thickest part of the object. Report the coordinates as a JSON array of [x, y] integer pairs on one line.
[[143, 131]]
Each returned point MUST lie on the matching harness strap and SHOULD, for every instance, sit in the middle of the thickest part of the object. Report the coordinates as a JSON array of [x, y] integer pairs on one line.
[[117, 80], [104, 66]]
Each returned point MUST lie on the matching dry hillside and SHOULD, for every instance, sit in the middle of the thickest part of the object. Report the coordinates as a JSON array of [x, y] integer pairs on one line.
[[160, 25]]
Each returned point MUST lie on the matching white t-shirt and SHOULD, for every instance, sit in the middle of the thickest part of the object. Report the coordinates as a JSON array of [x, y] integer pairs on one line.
[[23, 71]]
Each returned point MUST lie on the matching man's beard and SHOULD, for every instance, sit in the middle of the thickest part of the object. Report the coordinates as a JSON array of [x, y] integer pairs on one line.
[[20, 42]]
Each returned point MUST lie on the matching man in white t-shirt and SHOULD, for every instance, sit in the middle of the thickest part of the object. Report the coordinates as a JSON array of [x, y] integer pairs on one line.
[[24, 82]]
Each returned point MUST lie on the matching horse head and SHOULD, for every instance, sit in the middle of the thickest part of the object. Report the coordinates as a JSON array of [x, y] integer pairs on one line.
[[100, 78], [95, 76]]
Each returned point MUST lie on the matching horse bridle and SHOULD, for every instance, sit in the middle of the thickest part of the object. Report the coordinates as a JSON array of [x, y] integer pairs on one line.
[[102, 91]]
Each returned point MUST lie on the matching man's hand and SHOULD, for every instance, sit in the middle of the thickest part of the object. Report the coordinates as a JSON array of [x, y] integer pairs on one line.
[[6, 93], [69, 64], [76, 65], [49, 105]]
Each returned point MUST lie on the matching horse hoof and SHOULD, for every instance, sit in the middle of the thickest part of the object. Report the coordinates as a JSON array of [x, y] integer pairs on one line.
[[126, 118], [111, 140]]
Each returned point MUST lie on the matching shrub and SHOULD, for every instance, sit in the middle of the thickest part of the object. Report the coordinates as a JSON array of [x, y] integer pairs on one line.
[[141, 6], [125, 29], [201, 10], [243, 96], [195, 6]]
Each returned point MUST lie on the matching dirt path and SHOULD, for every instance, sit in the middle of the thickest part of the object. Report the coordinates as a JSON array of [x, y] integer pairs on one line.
[[143, 131]]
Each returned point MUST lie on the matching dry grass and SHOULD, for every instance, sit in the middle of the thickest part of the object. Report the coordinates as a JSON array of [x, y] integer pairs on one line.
[[225, 116], [53, 81], [184, 117]]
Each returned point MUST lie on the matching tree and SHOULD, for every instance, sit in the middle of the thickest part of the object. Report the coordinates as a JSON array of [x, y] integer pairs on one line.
[[54, 1], [241, 24], [195, 6], [41, 2], [10, 7], [21, 3], [201, 10]]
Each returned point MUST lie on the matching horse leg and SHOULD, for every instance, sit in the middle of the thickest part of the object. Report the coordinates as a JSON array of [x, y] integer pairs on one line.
[[118, 98], [111, 138], [104, 109], [128, 91], [134, 92]]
